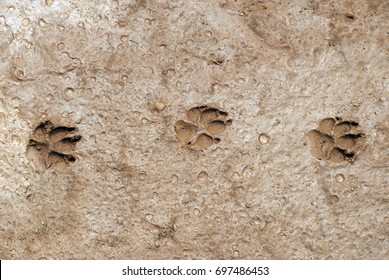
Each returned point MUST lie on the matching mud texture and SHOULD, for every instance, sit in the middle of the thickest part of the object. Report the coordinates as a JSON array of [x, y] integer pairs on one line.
[[222, 129]]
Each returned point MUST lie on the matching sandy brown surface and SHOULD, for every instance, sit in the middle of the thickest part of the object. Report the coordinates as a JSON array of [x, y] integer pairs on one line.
[[214, 129]]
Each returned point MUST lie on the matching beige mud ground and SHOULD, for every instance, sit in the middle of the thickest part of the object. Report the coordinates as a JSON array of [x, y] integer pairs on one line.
[[194, 129]]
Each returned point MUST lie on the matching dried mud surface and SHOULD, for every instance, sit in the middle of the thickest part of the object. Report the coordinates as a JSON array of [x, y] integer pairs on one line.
[[180, 129]]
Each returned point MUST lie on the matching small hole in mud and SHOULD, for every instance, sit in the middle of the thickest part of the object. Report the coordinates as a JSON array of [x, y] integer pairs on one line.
[[346, 154], [224, 114], [218, 62], [62, 129], [44, 125], [334, 199], [354, 123], [354, 136], [70, 140], [349, 155], [55, 155], [71, 159], [32, 143]]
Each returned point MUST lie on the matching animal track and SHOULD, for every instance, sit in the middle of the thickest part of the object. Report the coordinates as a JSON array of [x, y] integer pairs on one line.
[[52, 146], [336, 140], [204, 126]]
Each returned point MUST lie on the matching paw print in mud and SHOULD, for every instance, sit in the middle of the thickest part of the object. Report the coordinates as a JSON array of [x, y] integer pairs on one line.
[[52, 146], [336, 140], [203, 128]]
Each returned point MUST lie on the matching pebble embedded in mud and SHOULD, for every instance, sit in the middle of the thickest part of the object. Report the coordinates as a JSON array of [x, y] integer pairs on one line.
[[160, 106], [339, 178], [263, 138]]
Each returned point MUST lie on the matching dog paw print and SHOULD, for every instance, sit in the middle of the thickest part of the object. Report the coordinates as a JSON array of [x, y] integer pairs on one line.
[[203, 128], [52, 146], [337, 141]]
